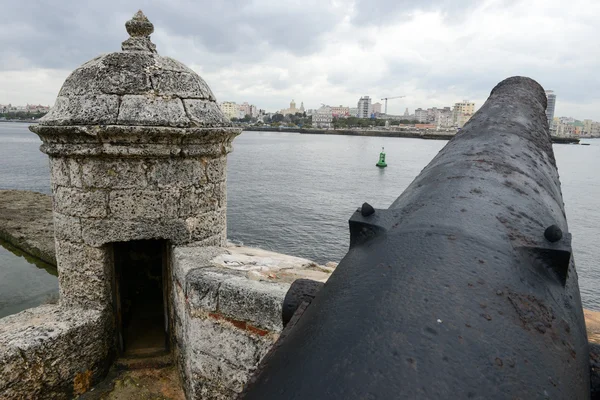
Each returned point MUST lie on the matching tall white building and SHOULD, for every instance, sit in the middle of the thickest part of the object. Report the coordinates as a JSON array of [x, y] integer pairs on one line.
[[550, 108], [364, 107], [421, 115], [230, 109]]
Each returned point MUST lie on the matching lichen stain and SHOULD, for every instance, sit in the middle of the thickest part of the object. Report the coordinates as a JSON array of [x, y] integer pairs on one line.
[[82, 382]]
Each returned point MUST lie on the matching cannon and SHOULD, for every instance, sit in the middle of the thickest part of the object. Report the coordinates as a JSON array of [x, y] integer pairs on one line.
[[464, 288]]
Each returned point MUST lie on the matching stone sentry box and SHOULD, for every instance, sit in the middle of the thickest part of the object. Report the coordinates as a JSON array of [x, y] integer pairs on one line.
[[137, 147]]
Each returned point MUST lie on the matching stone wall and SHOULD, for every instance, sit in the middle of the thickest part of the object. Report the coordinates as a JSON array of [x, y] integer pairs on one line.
[[51, 352], [98, 200], [227, 313]]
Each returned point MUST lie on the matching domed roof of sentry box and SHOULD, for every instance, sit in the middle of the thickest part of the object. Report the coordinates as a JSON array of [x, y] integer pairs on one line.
[[135, 87]]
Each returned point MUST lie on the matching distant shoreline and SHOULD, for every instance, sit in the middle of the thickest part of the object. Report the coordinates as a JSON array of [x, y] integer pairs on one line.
[[415, 134], [26, 121]]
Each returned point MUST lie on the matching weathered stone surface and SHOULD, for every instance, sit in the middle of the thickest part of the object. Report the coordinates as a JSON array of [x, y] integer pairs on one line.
[[59, 172], [112, 173], [176, 84], [207, 224], [84, 275], [97, 232], [67, 228], [143, 203], [592, 323], [187, 258], [115, 73], [214, 373], [83, 110], [180, 171], [205, 113], [81, 203], [229, 319], [202, 388], [152, 110], [216, 169], [223, 342], [254, 301], [26, 223], [52, 352], [194, 200]]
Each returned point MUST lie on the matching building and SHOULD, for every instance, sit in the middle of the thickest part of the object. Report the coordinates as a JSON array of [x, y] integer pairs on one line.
[[230, 109], [292, 109], [376, 108], [353, 111], [443, 117], [591, 128], [551, 97], [340, 112], [322, 118], [462, 112], [245, 109], [421, 115], [365, 109]]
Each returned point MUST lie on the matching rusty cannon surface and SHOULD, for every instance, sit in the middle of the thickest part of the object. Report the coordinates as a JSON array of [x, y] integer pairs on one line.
[[465, 288]]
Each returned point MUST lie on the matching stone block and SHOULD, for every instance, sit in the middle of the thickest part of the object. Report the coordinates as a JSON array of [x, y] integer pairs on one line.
[[114, 174], [214, 373], [59, 172], [177, 83], [257, 302], [84, 275], [194, 201], [152, 110], [205, 113], [224, 342], [84, 110], [202, 287], [216, 169], [202, 389], [125, 73], [207, 225], [181, 172], [67, 228], [80, 203], [115, 73], [140, 203], [188, 258], [220, 193], [75, 172], [97, 232], [52, 352]]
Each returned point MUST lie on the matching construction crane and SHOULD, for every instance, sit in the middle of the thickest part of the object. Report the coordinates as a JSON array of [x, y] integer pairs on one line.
[[390, 98]]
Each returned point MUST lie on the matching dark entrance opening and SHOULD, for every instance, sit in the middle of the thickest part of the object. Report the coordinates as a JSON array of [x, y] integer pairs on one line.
[[141, 293]]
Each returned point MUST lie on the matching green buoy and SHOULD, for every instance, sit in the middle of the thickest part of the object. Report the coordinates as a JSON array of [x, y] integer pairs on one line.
[[381, 163]]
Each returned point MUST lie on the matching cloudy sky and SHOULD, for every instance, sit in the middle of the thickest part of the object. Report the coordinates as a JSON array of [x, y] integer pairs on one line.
[[266, 52]]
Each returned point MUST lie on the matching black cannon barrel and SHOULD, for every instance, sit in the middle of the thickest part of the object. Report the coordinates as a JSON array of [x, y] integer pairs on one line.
[[465, 288]]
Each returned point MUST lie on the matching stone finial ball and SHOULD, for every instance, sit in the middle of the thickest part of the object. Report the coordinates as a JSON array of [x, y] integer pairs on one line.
[[139, 25]]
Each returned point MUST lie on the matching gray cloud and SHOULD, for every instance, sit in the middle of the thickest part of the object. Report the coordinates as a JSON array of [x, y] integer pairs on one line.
[[381, 12], [63, 34], [433, 51]]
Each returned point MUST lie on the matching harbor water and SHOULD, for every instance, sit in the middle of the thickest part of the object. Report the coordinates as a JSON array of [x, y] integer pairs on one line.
[[293, 193]]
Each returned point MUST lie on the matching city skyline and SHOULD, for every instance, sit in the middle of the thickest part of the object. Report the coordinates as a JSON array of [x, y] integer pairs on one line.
[[267, 52]]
